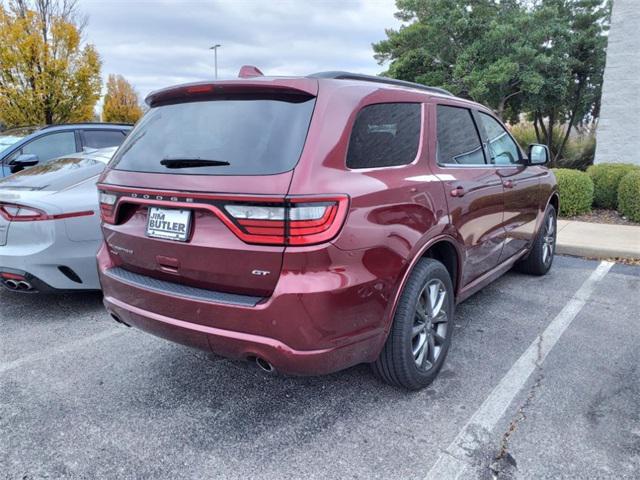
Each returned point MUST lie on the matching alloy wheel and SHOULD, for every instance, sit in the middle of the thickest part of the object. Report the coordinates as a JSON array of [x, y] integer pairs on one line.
[[549, 239], [430, 325]]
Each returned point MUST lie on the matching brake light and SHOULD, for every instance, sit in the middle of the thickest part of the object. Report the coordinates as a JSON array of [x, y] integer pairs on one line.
[[17, 213], [20, 213], [200, 89], [301, 221], [255, 212], [296, 220], [107, 206]]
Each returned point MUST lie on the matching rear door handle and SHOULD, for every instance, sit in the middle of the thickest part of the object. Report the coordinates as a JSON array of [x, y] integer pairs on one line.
[[458, 191], [508, 184]]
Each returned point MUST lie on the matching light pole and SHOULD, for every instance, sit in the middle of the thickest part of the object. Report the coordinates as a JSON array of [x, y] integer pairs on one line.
[[215, 57]]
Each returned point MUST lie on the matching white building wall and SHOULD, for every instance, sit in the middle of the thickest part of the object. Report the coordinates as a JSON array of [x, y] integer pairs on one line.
[[618, 134]]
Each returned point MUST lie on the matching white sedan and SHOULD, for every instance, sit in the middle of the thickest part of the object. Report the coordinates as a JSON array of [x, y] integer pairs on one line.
[[50, 225]]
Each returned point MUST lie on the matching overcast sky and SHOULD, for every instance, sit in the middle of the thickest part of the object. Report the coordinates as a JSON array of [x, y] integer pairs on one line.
[[161, 42]]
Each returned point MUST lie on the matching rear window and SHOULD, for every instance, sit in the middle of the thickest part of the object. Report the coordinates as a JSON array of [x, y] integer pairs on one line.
[[385, 135], [237, 137]]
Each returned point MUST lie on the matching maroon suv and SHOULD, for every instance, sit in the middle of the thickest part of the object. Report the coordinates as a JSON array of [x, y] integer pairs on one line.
[[311, 224]]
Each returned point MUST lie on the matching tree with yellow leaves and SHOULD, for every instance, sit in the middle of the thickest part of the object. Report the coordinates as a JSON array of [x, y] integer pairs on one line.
[[121, 101], [46, 76]]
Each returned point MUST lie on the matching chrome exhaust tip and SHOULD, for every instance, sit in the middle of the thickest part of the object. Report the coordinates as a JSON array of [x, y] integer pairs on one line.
[[23, 285], [265, 366], [11, 284]]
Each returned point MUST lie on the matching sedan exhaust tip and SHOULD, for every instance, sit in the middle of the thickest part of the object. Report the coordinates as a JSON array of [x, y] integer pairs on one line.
[[17, 285], [23, 286]]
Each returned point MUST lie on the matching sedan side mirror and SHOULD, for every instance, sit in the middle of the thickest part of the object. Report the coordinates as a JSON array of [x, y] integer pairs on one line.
[[538, 154], [23, 160]]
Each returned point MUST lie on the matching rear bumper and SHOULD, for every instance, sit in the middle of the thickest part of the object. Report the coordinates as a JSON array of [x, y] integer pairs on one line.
[[318, 322], [242, 346], [38, 249], [19, 281]]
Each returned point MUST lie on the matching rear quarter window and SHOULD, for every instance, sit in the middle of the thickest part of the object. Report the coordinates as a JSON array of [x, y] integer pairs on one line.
[[385, 135], [245, 136], [102, 138]]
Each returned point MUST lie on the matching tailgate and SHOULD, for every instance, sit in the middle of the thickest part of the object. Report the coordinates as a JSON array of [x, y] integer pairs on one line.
[[212, 257], [198, 154]]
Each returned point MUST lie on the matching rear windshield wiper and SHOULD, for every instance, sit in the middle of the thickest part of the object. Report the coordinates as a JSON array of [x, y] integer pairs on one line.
[[192, 163]]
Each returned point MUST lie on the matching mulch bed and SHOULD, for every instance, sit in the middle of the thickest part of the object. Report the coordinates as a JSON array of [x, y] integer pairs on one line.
[[601, 215], [627, 261]]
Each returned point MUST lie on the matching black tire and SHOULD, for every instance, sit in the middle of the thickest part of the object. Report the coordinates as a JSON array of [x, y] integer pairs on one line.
[[538, 262], [397, 363]]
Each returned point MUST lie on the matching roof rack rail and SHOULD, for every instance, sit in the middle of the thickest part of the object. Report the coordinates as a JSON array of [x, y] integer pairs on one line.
[[51, 125], [338, 75]]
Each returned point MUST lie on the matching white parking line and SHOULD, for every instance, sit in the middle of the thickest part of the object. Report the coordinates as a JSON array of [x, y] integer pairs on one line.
[[455, 459], [67, 347]]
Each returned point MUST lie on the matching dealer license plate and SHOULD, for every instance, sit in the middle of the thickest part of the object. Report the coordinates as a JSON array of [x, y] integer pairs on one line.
[[169, 224]]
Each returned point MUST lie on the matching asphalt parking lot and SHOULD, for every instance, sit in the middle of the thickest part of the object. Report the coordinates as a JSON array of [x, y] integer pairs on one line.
[[84, 397]]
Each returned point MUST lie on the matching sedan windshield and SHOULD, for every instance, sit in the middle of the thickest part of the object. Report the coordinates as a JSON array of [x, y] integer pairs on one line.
[[14, 135], [7, 139]]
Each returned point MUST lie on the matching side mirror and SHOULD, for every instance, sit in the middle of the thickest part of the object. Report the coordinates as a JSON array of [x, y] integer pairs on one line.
[[538, 154], [23, 160]]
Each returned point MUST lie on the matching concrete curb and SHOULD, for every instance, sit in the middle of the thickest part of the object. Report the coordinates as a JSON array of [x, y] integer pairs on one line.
[[595, 252], [598, 240]]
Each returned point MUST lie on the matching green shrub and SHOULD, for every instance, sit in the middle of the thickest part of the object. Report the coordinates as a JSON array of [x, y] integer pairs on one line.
[[576, 191], [606, 178], [629, 196]]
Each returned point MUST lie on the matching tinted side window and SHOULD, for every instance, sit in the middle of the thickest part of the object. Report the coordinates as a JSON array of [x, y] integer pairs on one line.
[[102, 138], [458, 140], [384, 135], [51, 146], [502, 148]]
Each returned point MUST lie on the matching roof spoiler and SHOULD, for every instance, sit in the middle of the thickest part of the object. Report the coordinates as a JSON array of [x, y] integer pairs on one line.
[[295, 89]]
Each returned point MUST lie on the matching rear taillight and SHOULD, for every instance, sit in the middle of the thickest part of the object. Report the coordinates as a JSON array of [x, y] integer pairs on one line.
[[107, 206], [20, 213], [296, 220], [299, 221]]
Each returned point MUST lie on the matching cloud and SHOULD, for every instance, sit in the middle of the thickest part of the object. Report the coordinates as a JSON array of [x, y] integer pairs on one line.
[[159, 43]]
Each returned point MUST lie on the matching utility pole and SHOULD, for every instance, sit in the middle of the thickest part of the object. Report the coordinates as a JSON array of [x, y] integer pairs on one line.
[[215, 57]]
